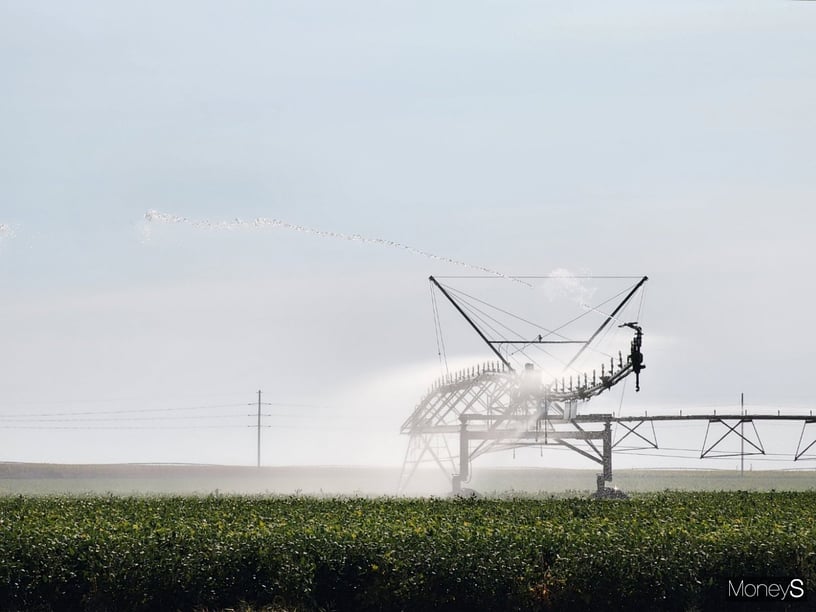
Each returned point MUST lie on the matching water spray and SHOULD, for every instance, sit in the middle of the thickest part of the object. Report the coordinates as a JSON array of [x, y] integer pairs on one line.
[[154, 216], [6, 232], [568, 285]]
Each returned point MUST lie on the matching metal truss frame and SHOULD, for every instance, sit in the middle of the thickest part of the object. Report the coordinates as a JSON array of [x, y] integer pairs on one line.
[[497, 408], [800, 452], [732, 429], [631, 430], [588, 435]]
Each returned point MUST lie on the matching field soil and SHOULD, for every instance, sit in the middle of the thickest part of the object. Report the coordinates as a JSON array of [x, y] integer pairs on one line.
[[126, 479]]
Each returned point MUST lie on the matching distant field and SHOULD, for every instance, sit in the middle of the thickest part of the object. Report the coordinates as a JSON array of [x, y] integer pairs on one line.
[[32, 479]]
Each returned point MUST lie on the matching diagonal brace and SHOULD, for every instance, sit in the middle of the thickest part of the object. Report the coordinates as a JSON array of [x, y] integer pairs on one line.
[[706, 452], [581, 451], [631, 431], [800, 453]]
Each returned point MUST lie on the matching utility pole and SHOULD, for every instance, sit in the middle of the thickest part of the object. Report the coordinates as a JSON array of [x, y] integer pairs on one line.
[[742, 436], [259, 428], [259, 404]]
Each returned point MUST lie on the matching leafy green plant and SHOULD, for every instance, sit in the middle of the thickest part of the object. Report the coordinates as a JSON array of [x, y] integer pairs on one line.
[[663, 551]]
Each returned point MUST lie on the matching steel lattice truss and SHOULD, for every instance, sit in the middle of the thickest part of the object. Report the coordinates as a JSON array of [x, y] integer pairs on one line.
[[493, 407], [502, 409], [487, 409], [498, 407]]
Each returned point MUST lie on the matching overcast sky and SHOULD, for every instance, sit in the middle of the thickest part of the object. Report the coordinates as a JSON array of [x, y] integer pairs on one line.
[[672, 139]]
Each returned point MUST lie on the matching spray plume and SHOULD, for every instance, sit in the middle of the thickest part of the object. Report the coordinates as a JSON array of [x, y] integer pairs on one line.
[[6, 231], [154, 216], [568, 285]]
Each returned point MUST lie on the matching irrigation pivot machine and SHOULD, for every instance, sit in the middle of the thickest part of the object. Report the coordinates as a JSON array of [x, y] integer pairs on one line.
[[507, 403], [535, 390]]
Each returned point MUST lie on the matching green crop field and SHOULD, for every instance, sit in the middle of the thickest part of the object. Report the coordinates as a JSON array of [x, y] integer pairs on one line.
[[658, 550]]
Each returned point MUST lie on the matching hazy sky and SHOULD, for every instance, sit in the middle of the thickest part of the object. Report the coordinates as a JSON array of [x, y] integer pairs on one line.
[[673, 139]]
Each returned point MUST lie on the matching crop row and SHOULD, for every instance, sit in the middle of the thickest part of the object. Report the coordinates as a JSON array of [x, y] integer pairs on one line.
[[665, 551]]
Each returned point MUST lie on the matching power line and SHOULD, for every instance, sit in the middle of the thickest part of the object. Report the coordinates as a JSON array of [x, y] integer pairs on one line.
[[119, 411], [115, 419], [143, 410], [123, 427], [159, 418]]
